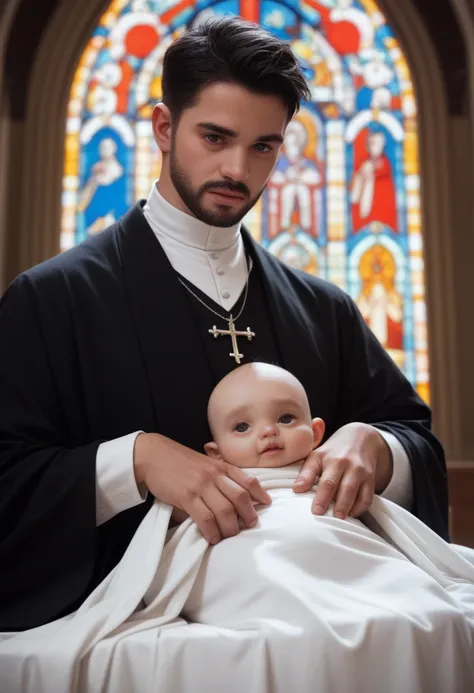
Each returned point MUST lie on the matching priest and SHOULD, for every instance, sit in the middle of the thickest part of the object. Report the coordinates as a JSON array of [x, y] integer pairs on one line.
[[109, 352]]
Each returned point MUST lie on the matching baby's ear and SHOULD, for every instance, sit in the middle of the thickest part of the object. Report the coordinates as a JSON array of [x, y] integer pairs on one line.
[[318, 427], [212, 450]]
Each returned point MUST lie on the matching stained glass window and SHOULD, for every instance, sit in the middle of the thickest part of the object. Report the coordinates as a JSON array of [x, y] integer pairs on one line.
[[344, 199]]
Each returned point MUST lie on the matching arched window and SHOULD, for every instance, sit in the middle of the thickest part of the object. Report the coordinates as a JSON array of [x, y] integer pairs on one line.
[[344, 199]]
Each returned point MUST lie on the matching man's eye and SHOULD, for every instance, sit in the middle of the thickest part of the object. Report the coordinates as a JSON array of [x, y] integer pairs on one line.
[[213, 139], [286, 418], [242, 427], [262, 147]]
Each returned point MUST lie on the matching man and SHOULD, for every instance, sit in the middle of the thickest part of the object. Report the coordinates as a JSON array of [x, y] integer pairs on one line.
[[110, 351]]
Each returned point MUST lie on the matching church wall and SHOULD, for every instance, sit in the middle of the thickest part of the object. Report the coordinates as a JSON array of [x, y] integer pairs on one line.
[[463, 230], [4, 137], [14, 199], [7, 13], [461, 494], [461, 235]]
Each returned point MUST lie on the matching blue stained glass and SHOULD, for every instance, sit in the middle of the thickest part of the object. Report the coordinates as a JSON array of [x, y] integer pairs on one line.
[[279, 19], [100, 31]]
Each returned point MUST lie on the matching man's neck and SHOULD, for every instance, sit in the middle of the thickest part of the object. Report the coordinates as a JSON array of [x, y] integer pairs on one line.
[[167, 190], [211, 258], [186, 229]]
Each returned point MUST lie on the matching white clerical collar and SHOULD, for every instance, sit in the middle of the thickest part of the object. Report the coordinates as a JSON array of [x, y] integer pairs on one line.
[[188, 230]]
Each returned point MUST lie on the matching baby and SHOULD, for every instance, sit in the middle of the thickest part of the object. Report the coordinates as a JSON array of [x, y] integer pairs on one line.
[[259, 416]]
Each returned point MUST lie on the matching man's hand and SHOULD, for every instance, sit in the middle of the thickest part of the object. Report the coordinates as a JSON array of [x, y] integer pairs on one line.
[[218, 496], [351, 465]]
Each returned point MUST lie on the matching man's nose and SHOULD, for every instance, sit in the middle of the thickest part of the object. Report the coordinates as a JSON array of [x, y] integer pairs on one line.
[[235, 165]]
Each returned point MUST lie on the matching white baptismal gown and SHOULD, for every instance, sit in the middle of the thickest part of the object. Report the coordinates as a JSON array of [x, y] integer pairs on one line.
[[297, 603]]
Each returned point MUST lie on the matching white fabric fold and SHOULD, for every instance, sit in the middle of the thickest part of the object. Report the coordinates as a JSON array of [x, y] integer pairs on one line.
[[298, 602]]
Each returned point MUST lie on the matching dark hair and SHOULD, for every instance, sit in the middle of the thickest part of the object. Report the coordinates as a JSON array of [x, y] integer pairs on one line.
[[230, 49]]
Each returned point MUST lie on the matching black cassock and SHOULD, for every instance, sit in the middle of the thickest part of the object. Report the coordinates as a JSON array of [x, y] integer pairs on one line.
[[104, 340]]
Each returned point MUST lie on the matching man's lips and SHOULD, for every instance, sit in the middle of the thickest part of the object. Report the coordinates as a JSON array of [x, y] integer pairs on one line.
[[228, 194]]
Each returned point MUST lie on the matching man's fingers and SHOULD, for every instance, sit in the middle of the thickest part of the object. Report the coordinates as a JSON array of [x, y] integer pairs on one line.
[[327, 489], [224, 511], [309, 473], [205, 520], [250, 484], [239, 500], [363, 500], [346, 495], [225, 503]]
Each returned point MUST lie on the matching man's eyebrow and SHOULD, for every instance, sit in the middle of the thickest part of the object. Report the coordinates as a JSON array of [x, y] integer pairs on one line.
[[274, 137], [218, 129], [227, 132]]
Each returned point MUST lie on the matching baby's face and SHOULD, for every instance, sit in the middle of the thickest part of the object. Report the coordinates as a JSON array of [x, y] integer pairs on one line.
[[261, 421]]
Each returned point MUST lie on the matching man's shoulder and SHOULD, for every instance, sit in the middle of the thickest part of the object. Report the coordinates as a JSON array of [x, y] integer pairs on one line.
[[95, 256]]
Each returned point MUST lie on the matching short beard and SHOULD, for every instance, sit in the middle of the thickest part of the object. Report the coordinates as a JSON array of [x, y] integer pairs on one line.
[[193, 198]]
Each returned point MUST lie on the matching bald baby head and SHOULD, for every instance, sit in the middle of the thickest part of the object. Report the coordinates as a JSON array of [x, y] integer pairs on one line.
[[243, 384], [259, 415]]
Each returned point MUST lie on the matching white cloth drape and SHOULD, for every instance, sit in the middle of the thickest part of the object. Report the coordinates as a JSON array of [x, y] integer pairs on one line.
[[297, 603]]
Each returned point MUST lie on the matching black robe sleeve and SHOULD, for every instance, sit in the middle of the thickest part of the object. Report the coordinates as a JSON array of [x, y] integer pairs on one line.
[[47, 498], [373, 390]]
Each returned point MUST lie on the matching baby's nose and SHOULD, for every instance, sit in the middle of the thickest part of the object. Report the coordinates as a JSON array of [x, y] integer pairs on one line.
[[270, 430]]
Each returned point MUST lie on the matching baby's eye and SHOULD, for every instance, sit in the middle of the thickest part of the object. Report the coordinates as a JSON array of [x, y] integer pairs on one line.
[[242, 427], [286, 419]]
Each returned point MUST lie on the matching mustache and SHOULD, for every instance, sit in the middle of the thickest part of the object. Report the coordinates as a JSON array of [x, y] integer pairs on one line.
[[240, 188]]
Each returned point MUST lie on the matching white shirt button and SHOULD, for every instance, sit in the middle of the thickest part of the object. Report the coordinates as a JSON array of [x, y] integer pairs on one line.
[[220, 272], [214, 256], [225, 294]]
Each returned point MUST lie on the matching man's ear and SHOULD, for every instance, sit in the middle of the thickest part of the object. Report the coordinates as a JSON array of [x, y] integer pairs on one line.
[[318, 427], [212, 450], [162, 127]]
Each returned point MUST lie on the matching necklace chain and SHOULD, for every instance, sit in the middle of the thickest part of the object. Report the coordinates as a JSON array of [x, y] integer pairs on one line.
[[222, 317]]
